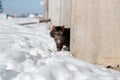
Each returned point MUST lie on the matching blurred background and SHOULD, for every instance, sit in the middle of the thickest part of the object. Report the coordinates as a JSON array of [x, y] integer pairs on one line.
[[23, 7]]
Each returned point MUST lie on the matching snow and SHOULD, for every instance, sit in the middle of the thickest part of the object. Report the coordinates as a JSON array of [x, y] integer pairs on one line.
[[29, 53], [3, 16]]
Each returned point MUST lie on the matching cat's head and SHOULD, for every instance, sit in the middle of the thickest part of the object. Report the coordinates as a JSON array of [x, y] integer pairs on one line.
[[57, 31]]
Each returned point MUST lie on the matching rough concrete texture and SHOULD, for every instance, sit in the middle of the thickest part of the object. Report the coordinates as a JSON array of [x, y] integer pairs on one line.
[[95, 31], [60, 12]]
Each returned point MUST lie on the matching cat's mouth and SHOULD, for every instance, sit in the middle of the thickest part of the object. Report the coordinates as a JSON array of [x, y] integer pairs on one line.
[[58, 42]]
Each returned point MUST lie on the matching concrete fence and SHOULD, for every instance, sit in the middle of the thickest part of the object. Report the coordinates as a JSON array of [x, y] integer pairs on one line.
[[60, 12], [95, 31], [95, 28]]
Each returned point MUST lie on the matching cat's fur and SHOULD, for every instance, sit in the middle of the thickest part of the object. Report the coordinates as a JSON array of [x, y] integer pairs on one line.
[[61, 36]]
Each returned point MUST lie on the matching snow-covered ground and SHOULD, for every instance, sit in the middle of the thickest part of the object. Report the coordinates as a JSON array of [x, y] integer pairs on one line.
[[29, 53]]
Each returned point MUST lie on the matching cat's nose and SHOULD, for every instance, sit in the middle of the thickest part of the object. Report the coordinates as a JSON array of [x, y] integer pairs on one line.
[[58, 41]]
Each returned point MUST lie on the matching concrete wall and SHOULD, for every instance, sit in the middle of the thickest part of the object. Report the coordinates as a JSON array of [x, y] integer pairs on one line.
[[95, 31], [60, 12], [54, 11], [65, 13]]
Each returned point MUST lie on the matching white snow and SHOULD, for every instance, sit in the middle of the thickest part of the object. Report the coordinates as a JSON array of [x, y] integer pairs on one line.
[[3, 16], [29, 53]]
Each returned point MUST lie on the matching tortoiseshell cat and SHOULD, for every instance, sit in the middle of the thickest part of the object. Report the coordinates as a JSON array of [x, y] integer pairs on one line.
[[61, 36]]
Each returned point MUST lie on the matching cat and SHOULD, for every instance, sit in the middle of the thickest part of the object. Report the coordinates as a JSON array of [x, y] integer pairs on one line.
[[61, 36]]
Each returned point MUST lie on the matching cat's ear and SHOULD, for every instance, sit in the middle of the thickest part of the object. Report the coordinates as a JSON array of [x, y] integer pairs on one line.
[[53, 27], [63, 27]]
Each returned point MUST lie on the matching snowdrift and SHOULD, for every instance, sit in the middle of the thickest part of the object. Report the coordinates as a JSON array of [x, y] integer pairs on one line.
[[29, 53]]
